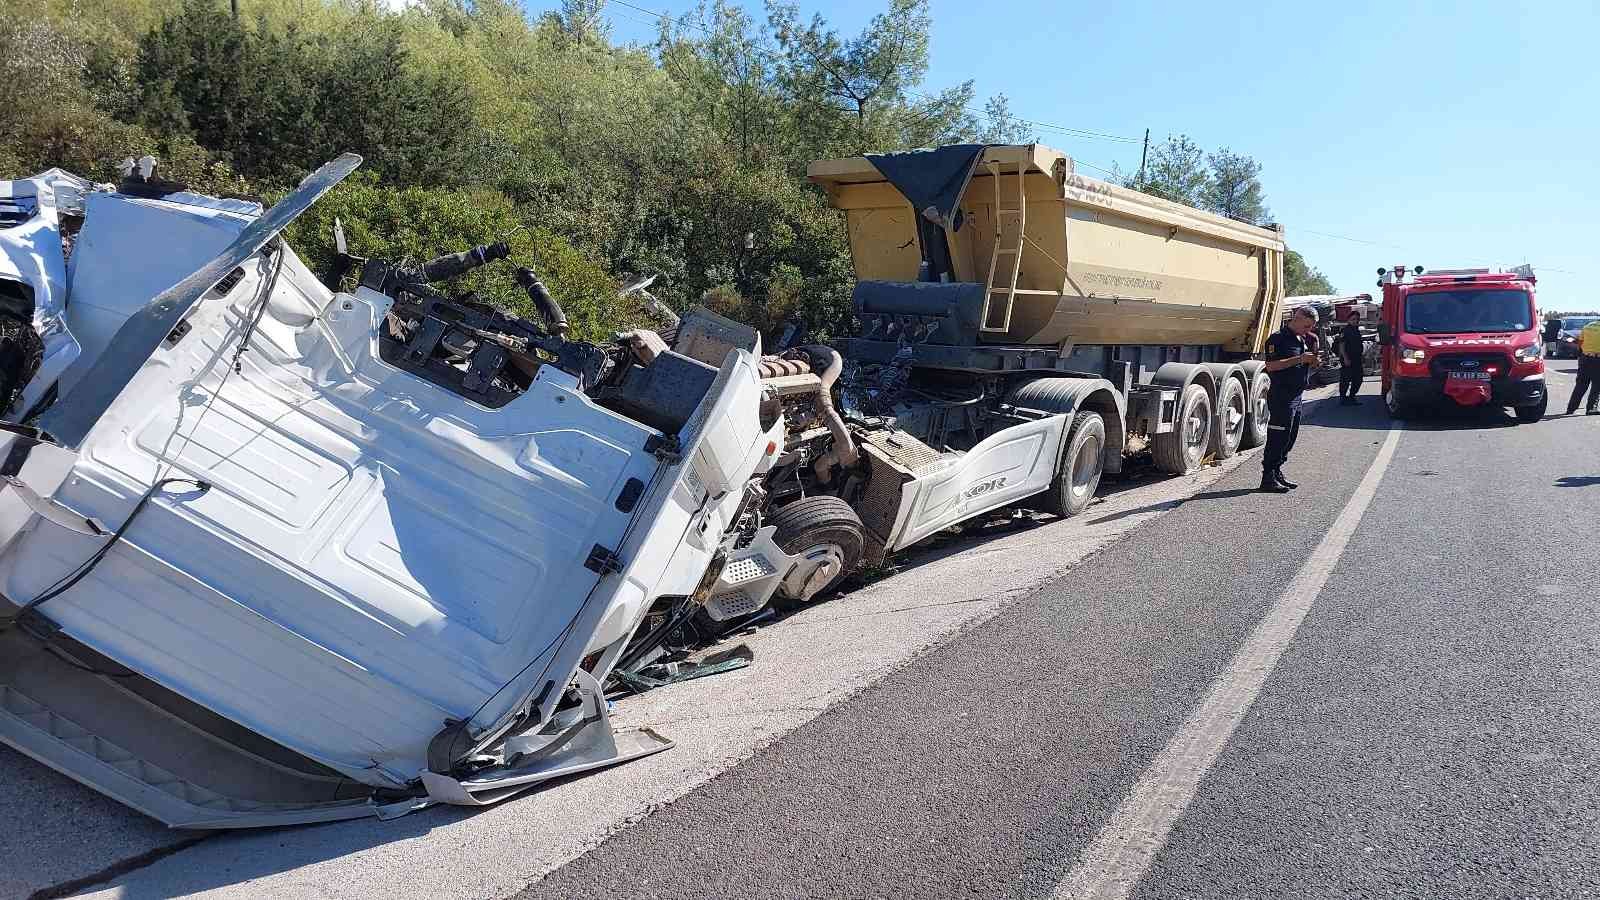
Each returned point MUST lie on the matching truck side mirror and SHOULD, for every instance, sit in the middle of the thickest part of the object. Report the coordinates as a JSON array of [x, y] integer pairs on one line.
[[1385, 337]]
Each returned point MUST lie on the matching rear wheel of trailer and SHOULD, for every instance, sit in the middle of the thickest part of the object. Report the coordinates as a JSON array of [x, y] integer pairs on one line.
[[1181, 450], [1233, 405], [1255, 429]]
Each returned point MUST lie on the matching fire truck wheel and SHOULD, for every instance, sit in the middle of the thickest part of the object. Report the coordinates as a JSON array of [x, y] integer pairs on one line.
[[1396, 408], [1530, 414]]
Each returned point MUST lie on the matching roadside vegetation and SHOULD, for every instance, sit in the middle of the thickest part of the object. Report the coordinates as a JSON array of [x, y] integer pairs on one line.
[[684, 158]]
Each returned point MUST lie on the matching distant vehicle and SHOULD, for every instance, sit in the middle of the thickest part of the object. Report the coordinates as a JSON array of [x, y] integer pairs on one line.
[[1461, 337], [1565, 346]]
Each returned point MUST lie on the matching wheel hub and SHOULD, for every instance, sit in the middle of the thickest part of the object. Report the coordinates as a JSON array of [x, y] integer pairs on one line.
[[1235, 416], [816, 567], [1084, 466]]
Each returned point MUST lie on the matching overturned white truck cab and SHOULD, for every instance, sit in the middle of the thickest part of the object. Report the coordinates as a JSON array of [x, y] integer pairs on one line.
[[272, 552]]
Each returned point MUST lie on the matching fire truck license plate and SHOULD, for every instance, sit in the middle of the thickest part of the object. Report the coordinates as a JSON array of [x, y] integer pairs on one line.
[[1470, 376]]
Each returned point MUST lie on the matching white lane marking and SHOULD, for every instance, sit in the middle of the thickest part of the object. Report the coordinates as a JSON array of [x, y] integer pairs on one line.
[[1113, 865]]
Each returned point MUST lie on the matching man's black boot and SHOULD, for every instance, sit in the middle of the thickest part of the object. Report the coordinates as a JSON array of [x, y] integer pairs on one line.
[[1270, 485], [1591, 411], [1277, 475]]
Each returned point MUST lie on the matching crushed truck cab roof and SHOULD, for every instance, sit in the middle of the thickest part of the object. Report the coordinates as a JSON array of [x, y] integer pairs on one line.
[[278, 553]]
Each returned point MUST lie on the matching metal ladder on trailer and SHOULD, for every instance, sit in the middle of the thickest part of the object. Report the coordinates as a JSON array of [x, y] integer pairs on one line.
[[1013, 250]]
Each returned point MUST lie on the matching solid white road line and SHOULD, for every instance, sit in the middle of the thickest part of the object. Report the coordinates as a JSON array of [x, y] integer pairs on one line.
[[1121, 854]]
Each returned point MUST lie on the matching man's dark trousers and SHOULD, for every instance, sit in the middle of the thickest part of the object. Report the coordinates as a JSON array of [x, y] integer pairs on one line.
[[1283, 426], [1349, 380], [1588, 380]]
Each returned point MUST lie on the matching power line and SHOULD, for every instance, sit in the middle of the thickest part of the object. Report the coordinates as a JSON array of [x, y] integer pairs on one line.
[[1340, 237], [1078, 132], [636, 19], [1078, 162]]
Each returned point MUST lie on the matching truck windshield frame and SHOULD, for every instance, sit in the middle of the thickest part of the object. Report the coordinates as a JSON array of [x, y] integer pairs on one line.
[[1468, 311]]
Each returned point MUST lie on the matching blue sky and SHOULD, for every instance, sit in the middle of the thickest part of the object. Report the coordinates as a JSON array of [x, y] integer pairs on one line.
[[1435, 134]]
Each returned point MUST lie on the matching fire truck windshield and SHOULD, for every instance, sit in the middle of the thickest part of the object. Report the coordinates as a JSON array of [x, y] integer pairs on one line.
[[1459, 312]]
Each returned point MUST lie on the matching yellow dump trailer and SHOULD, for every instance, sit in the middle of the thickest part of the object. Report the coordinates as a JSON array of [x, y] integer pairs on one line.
[[995, 284], [1068, 258]]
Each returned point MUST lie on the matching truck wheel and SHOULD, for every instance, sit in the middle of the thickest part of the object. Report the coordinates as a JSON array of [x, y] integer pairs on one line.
[[1255, 426], [1234, 410], [1181, 450], [1527, 415], [1397, 409], [1078, 474], [828, 537]]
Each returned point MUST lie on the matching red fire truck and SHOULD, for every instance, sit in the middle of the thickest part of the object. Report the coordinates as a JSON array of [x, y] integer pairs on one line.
[[1461, 337]]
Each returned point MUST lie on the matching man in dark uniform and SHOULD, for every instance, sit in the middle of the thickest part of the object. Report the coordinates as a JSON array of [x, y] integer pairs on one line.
[[1289, 366], [1351, 352]]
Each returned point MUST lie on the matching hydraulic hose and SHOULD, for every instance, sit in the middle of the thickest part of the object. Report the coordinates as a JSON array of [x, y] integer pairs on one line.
[[442, 268], [547, 306]]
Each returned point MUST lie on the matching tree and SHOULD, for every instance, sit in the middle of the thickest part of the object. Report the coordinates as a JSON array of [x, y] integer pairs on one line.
[[1001, 127], [1234, 187], [1175, 171], [1300, 280], [870, 78], [584, 22]]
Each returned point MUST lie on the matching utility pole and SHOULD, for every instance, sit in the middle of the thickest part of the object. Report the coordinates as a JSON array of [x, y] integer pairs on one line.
[[1143, 154]]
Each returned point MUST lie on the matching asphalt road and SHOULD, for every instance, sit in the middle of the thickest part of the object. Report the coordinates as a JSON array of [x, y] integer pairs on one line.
[[1431, 727], [982, 722]]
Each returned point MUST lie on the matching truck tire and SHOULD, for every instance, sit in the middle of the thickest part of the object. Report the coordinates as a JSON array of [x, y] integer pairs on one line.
[[1233, 408], [1255, 426], [1527, 415], [1181, 450], [828, 537], [1397, 410], [1078, 473]]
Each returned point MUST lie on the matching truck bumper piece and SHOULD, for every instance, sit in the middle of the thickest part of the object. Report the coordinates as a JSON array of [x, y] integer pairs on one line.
[[1529, 391]]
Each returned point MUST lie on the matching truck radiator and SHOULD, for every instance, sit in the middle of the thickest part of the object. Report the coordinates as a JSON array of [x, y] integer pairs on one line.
[[894, 459]]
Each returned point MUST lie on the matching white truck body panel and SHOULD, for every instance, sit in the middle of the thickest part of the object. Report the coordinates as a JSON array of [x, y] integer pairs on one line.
[[374, 555], [1005, 467], [107, 288]]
